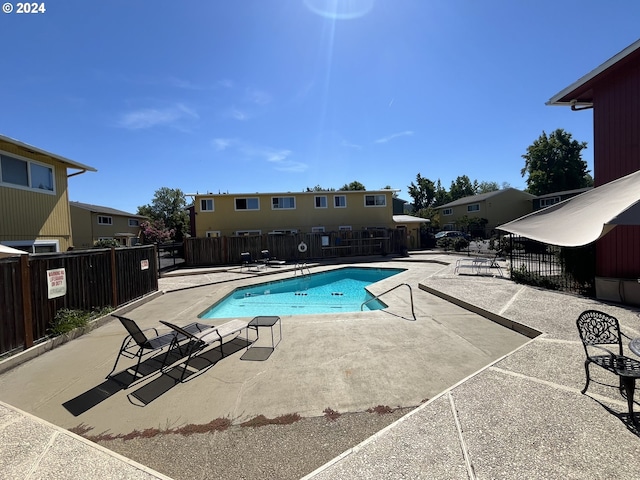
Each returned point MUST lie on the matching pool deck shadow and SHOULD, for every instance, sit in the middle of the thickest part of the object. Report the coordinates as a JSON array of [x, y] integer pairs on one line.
[[501, 404]]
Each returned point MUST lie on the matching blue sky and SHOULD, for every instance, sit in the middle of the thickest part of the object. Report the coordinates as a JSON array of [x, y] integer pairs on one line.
[[279, 95]]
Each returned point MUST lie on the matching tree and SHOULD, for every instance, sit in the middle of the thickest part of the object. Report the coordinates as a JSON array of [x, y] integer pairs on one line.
[[156, 232], [486, 187], [423, 193], [441, 196], [462, 187], [353, 186], [554, 163], [170, 207]]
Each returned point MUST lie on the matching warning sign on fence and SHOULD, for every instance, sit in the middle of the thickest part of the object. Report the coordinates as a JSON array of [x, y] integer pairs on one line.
[[57, 282]]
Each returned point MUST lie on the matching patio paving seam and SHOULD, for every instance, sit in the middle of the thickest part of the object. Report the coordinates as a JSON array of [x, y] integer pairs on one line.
[[511, 301], [463, 446], [43, 454]]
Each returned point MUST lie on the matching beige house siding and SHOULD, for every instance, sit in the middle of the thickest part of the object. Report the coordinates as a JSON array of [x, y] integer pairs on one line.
[[502, 207], [87, 230], [226, 220], [28, 214]]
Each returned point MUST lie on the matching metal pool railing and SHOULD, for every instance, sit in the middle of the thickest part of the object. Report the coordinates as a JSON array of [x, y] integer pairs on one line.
[[391, 289], [301, 267]]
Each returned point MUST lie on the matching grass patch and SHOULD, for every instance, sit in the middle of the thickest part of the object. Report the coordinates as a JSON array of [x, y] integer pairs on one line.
[[68, 319]]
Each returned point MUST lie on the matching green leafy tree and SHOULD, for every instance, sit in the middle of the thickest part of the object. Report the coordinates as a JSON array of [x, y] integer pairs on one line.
[[353, 186], [423, 192], [462, 187], [169, 206], [441, 196], [553, 163], [486, 187]]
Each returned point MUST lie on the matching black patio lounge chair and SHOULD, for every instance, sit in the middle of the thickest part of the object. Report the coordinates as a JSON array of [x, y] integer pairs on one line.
[[269, 260], [597, 330], [248, 261], [137, 344], [201, 340]]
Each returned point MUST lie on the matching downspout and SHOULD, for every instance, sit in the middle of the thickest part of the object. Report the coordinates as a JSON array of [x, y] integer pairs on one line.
[[583, 106], [77, 173]]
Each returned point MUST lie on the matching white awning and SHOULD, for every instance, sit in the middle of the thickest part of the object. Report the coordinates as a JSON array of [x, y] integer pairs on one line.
[[584, 218], [10, 252], [409, 219]]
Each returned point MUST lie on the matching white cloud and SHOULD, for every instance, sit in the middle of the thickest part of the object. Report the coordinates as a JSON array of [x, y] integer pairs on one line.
[[278, 158], [223, 143], [344, 143], [153, 117], [258, 97], [406, 133], [238, 114]]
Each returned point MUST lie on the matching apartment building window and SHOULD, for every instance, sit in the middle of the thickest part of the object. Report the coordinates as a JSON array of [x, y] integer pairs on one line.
[[206, 205], [26, 174], [212, 234], [340, 201], [547, 202], [134, 222], [321, 201], [473, 208], [447, 211], [317, 229], [344, 228], [283, 203], [248, 233], [104, 220], [247, 203], [375, 200]]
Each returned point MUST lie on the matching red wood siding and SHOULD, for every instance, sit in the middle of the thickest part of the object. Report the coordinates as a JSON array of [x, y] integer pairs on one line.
[[616, 120]]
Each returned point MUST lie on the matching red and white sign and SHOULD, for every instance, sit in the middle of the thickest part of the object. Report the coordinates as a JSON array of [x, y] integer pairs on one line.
[[56, 283]]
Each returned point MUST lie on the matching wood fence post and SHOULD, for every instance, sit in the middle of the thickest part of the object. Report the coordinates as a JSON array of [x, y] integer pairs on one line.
[[114, 279], [27, 314]]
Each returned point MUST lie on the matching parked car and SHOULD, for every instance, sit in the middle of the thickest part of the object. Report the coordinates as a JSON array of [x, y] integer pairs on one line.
[[452, 234]]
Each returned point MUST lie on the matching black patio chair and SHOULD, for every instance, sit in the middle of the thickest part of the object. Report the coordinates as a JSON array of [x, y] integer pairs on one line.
[[137, 344], [597, 330], [248, 261], [200, 341]]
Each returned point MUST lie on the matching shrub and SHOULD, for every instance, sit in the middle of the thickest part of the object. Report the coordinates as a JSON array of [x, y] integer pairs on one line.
[[67, 319], [107, 243], [460, 243]]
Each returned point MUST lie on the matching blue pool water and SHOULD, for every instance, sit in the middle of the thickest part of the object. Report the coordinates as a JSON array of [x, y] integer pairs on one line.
[[337, 291]]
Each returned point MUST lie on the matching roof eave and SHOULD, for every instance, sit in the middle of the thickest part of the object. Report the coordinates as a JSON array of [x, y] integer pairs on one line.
[[69, 163], [564, 97]]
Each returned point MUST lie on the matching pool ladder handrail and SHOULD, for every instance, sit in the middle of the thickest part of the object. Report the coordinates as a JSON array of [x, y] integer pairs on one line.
[[301, 266], [391, 289]]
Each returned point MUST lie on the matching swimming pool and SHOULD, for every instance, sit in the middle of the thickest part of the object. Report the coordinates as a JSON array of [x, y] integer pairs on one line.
[[336, 291]]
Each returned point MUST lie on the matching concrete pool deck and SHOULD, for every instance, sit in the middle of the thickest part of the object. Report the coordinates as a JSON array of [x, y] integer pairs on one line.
[[521, 417]]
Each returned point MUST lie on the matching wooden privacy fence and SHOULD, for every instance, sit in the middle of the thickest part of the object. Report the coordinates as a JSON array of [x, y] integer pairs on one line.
[[94, 279], [227, 250]]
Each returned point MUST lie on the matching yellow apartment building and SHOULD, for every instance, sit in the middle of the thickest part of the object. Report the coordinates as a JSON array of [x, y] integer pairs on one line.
[[303, 212], [498, 207], [34, 199], [91, 223]]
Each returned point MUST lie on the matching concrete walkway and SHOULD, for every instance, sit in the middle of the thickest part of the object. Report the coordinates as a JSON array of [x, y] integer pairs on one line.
[[501, 404]]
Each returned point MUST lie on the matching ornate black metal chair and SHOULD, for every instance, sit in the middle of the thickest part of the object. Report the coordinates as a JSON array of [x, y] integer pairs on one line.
[[597, 330]]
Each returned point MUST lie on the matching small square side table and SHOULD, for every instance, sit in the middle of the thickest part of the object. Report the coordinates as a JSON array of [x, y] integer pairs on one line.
[[262, 353]]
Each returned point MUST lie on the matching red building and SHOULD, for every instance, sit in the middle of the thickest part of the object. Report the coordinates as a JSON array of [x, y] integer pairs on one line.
[[612, 90]]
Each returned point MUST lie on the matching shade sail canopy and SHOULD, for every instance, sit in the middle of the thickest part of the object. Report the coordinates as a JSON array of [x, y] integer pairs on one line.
[[409, 219], [10, 252], [584, 218]]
